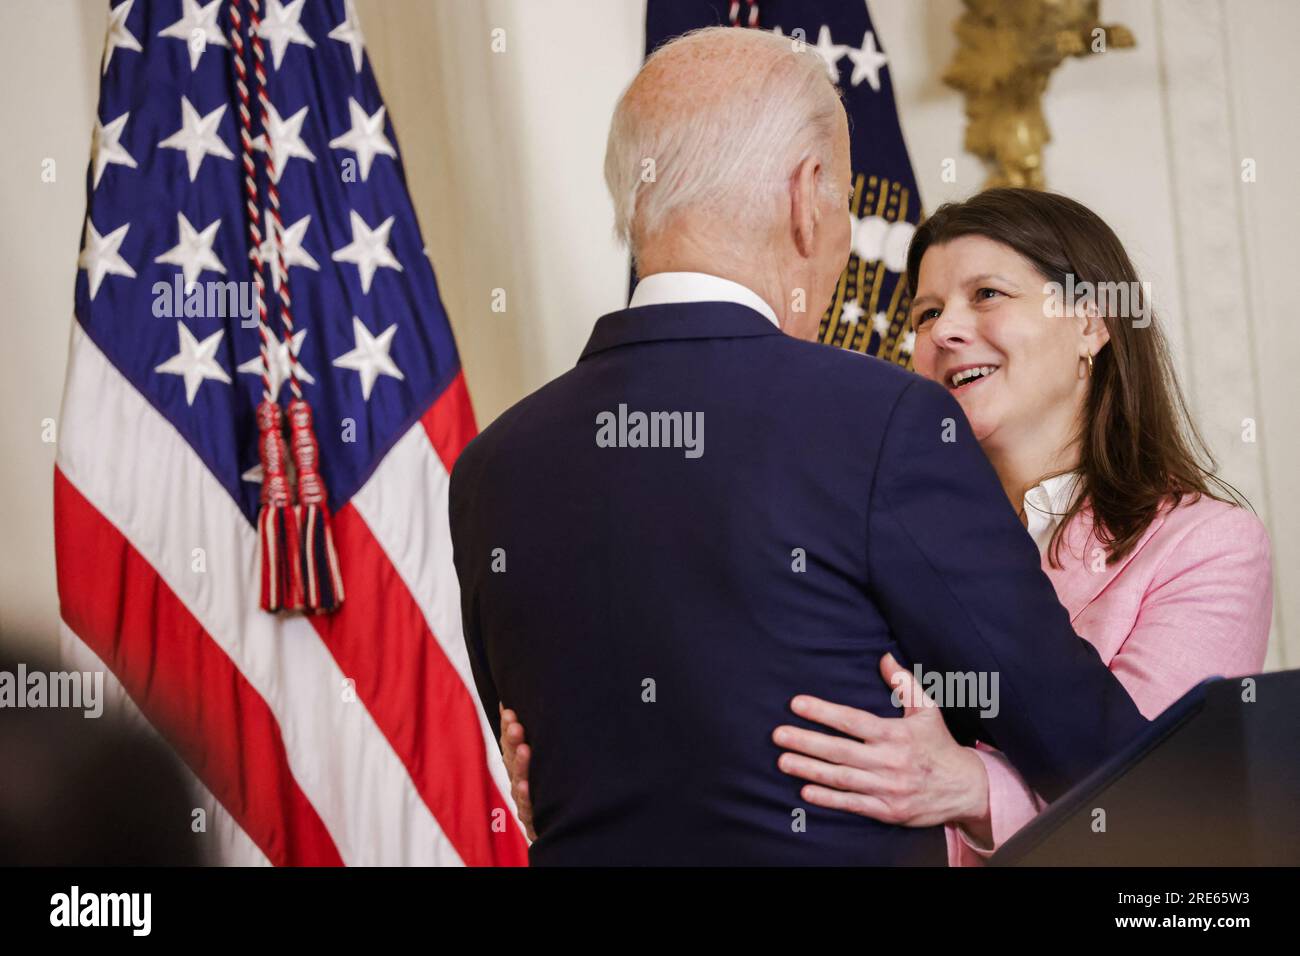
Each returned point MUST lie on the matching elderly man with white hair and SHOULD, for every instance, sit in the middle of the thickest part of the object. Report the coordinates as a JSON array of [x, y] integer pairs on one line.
[[711, 514]]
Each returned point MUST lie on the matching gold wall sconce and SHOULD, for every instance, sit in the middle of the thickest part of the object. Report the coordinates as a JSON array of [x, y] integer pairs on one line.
[[1006, 52]]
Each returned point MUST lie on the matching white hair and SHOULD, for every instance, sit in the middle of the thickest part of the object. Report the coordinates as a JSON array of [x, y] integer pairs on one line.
[[725, 149]]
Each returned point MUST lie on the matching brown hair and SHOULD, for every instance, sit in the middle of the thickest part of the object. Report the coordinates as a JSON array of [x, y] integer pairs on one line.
[[1138, 445]]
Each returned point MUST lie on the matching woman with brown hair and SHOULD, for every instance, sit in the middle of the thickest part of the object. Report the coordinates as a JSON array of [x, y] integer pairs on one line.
[[1027, 308]]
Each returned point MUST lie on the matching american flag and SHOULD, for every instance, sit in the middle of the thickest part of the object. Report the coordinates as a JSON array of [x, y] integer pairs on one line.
[[349, 737]]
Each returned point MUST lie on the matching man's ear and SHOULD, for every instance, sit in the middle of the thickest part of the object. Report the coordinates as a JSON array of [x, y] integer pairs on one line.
[[803, 204]]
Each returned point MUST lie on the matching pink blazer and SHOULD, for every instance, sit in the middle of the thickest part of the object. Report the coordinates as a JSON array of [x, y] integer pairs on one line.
[[1194, 599]]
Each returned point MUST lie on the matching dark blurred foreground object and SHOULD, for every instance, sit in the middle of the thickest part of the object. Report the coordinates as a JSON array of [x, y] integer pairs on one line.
[[77, 791], [1215, 781]]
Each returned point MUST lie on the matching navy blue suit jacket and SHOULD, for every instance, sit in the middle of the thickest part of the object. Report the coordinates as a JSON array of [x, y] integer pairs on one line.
[[645, 613]]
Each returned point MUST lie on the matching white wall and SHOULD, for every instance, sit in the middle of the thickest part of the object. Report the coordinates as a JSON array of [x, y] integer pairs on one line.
[[51, 56], [504, 155]]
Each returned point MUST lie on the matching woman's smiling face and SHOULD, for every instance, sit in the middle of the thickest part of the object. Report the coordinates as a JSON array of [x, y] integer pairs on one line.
[[986, 332]]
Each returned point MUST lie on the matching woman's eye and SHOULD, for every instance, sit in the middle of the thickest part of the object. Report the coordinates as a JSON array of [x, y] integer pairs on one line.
[[986, 293], [929, 315]]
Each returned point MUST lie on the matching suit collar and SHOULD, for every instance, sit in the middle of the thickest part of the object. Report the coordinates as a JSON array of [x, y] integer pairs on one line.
[[1084, 573], [676, 321], [661, 288]]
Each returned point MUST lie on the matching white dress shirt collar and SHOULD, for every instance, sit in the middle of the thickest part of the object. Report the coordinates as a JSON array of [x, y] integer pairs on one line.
[[663, 288], [1046, 504]]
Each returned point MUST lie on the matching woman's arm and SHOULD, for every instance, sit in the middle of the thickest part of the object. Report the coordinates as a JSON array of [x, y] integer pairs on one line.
[[1206, 612], [1012, 804]]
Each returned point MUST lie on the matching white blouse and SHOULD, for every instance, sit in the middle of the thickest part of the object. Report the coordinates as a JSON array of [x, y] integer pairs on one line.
[[1046, 504]]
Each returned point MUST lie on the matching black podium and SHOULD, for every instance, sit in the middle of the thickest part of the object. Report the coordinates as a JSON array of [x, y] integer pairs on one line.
[[1214, 781]]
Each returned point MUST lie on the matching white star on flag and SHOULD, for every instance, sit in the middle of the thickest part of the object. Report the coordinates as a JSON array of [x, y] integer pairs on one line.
[[880, 322], [106, 146], [370, 356], [852, 311], [279, 367], [193, 253], [349, 32], [286, 139], [281, 27], [197, 136], [195, 361], [368, 249], [291, 248], [99, 256], [867, 62], [118, 35], [365, 138], [908, 343], [830, 52], [197, 27]]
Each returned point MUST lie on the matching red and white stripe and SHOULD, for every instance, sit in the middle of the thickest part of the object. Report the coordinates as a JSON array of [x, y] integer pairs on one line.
[[349, 738], [227, 840]]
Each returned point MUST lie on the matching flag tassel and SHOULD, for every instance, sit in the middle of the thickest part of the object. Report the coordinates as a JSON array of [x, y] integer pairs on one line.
[[278, 520], [317, 558]]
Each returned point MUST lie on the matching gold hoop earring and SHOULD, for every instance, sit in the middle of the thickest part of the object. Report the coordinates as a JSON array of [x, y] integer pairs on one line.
[[1090, 365]]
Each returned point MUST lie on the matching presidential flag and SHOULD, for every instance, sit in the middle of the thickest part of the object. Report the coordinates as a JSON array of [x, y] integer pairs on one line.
[[258, 332], [870, 310]]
